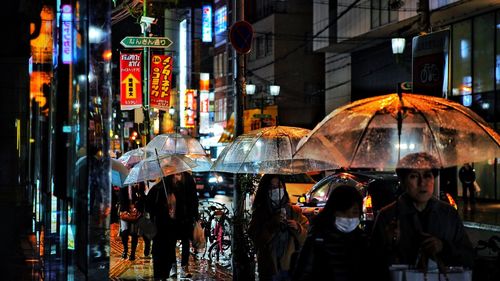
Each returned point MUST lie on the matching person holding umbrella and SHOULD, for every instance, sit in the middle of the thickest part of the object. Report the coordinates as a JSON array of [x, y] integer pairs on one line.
[[172, 209], [418, 229], [277, 228]]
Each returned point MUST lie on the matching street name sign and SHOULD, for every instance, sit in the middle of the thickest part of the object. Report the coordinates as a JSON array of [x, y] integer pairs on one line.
[[146, 42]]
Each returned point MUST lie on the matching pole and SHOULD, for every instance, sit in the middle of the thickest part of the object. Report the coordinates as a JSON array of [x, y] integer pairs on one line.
[[243, 262], [145, 80]]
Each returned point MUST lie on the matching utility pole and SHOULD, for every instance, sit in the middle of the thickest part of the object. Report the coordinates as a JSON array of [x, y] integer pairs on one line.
[[242, 260], [145, 80]]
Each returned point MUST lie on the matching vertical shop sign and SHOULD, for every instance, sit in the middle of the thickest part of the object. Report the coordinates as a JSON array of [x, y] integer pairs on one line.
[[161, 77], [130, 79], [206, 23], [190, 103], [67, 34]]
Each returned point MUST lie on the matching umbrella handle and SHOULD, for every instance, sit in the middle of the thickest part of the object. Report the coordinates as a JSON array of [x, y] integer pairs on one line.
[[161, 170]]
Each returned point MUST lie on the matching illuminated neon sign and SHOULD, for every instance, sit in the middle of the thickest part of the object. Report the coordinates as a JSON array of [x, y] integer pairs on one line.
[[67, 34], [206, 21], [220, 20]]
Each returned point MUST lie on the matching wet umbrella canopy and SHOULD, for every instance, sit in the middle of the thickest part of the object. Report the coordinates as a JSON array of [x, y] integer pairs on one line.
[[132, 157], [377, 132], [149, 168], [267, 151], [175, 143]]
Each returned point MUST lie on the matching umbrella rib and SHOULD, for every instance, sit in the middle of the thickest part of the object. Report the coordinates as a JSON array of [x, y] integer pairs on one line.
[[358, 143], [421, 113]]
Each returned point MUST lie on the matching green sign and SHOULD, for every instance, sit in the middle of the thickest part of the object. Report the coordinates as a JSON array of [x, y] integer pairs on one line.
[[146, 42], [263, 116]]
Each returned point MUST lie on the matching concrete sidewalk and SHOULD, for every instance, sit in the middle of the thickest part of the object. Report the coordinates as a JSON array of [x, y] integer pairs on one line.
[[142, 268]]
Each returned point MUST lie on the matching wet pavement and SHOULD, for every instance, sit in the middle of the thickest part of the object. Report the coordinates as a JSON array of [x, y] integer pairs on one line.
[[142, 268]]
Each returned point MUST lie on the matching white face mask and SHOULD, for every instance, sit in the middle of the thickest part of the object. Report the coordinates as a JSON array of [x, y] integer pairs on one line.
[[346, 225], [276, 194]]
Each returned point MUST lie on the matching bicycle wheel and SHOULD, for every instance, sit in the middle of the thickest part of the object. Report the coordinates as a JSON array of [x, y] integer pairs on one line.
[[220, 253]]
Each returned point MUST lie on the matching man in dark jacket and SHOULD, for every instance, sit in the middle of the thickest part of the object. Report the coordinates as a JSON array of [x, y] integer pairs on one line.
[[467, 176], [418, 228]]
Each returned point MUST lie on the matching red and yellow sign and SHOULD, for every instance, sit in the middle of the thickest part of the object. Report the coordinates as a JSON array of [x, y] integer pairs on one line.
[[130, 77], [161, 77]]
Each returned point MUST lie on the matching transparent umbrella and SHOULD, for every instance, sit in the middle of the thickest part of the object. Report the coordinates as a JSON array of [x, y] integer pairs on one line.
[[203, 162], [158, 166], [267, 151], [175, 143], [132, 157], [377, 132]]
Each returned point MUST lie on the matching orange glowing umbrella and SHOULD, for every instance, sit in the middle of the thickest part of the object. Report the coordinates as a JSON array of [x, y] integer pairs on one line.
[[378, 131]]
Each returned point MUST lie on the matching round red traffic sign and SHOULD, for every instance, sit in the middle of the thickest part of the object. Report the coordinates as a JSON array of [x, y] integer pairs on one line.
[[240, 36]]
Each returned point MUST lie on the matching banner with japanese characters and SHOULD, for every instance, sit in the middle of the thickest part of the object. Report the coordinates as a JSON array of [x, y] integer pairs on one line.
[[161, 78], [130, 81]]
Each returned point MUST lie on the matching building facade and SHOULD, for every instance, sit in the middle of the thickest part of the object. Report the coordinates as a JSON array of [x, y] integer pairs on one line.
[[282, 55]]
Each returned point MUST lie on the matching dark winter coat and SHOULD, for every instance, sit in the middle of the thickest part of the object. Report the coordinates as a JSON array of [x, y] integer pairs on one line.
[[329, 252], [438, 219], [263, 230]]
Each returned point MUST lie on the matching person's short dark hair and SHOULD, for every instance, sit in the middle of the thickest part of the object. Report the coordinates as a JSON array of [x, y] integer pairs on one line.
[[417, 161], [343, 197]]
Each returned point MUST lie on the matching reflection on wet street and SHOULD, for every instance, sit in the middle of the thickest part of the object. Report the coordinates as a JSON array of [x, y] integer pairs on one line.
[[142, 267]]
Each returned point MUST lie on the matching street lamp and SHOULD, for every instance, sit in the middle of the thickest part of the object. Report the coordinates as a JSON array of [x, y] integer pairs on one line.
[[250, 89], [398, 45], [171, 112], [273, 90]]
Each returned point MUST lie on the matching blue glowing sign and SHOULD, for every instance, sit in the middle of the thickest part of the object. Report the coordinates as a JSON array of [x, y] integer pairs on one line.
[[220, 20], [206, 23], [67, 34]]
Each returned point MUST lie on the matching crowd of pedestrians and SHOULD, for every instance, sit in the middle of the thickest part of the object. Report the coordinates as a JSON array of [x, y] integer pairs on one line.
[[171, 204], [417, 229]]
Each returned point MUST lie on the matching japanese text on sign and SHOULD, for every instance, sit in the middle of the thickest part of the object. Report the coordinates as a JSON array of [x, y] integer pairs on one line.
[[161, 77], [130, 77]]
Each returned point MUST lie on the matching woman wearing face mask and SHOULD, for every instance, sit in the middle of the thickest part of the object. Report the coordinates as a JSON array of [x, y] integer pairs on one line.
[[335, 246], [277, 229]]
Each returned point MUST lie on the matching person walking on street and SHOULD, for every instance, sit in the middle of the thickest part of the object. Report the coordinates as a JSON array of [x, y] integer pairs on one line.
[[169, 209], [335, 245], [418, 229], [467, 176], [277, 229], [132, 201], [187, 202]]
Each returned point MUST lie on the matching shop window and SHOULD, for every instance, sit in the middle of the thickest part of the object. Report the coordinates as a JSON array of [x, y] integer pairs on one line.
[[461, 59], [269, 43], [261, 47], [382, 13], [483, 53]]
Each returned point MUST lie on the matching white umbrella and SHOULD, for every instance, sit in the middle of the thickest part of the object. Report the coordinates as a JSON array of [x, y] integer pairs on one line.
[[159, 166], [267, 151]]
